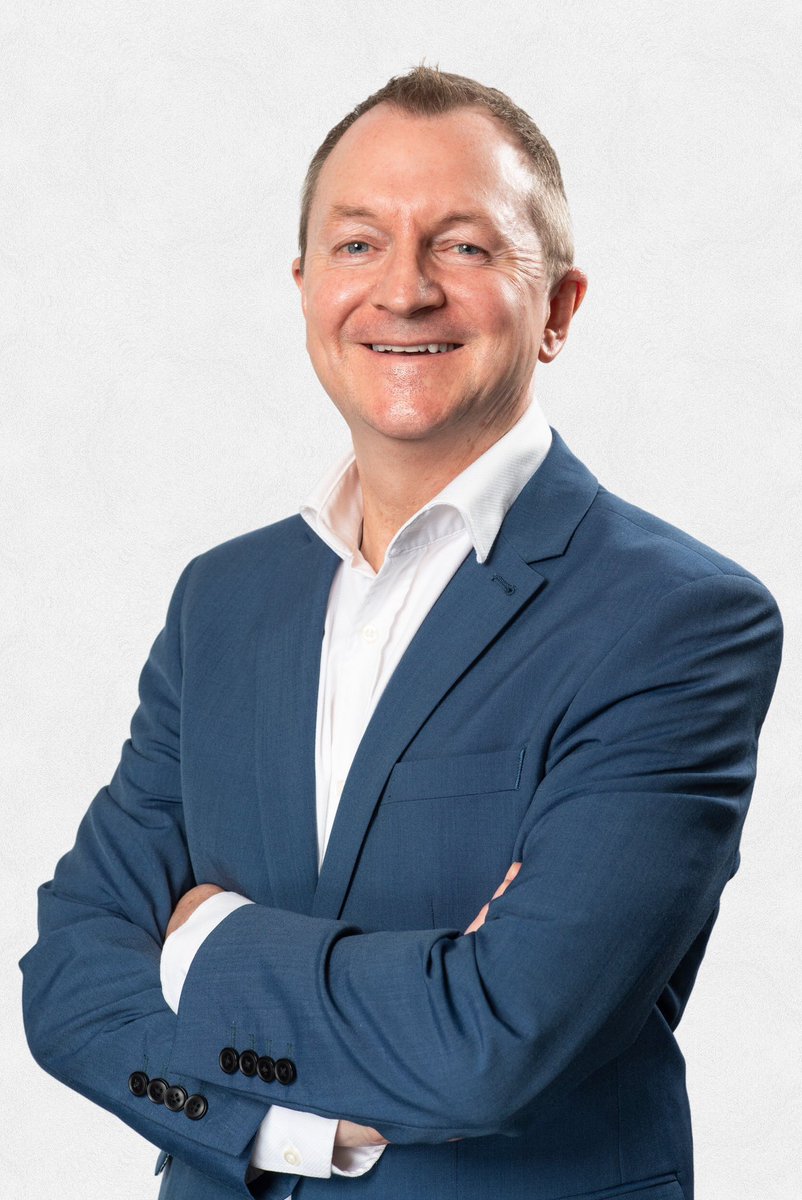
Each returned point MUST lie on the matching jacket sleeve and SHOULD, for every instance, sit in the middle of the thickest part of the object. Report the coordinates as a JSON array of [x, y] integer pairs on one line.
[[626, 847], [93, 1006]]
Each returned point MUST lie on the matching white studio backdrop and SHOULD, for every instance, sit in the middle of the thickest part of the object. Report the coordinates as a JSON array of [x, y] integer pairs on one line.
[[156, 399]]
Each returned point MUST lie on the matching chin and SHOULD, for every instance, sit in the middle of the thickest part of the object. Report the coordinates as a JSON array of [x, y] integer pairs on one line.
[[408, 417], [407, 425]]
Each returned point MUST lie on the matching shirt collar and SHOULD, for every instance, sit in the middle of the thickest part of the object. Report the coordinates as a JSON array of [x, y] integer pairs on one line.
[[476, 500]]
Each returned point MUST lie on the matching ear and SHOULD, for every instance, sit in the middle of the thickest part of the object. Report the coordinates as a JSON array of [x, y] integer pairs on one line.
[[565, 299], [297, 275]]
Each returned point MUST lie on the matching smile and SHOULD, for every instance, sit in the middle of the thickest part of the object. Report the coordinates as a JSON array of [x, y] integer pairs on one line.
[[425, 348]]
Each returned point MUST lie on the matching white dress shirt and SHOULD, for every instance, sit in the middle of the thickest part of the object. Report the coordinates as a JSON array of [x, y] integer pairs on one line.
[[371, 619]]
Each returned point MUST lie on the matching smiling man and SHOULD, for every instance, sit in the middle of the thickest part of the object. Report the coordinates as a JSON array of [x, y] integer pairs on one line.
[[404, 878], [429, 297]]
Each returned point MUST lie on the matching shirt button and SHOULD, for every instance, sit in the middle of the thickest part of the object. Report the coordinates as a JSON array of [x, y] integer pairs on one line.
[[292, 1157], [369, 633]]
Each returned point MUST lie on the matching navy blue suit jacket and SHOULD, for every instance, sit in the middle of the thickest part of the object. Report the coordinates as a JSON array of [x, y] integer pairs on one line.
[[587, 701]]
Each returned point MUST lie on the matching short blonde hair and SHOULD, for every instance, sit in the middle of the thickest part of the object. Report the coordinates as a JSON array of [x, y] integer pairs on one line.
[[430, 92]]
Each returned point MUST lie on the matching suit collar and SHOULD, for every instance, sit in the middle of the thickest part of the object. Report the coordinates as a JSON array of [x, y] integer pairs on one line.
[[476, 500], [543, 519], [476, 605], [472, 610]]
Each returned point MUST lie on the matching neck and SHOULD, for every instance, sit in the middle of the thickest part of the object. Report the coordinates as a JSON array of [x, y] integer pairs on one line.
[[398, 477]]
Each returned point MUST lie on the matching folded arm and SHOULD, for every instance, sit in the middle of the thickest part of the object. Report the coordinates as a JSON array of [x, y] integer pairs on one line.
[[424, 1035], [312, 1145], [627, 845], [93, 1006]]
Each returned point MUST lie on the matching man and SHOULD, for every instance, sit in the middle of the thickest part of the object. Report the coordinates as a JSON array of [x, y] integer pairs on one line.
[[464, 670]]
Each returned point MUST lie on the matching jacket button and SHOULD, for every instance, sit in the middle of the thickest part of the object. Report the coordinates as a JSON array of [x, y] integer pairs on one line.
[[157, 1089], [175, 1098], [285, 1071], [247, 1062], [196, 1107], [229, 1060], [138, 1083], [266, 1069]]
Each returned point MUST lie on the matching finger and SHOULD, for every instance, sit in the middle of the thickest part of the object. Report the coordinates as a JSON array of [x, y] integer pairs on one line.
[[188, 903], [351, 1135], [507, 880], [478, 920]]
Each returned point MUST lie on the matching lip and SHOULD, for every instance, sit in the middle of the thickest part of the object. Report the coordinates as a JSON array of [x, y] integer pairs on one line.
[[402, 345]]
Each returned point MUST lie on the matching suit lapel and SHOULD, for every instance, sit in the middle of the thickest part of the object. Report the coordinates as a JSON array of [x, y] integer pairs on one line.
[[473, 609], [475, 606], [286, 707]]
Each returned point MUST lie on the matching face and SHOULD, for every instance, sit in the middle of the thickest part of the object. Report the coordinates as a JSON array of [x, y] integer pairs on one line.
[[424, 286]]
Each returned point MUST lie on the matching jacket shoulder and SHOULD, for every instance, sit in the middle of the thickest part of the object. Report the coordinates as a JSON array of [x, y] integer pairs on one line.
[[248, 549], [239, 574], [642, 543]]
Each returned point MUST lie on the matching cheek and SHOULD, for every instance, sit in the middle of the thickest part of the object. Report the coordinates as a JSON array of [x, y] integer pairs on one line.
[[511, 335], [518, 319], [328, 305], [502, 310]]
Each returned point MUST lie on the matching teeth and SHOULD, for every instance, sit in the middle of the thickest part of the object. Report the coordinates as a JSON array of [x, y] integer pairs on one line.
[[427, 348]]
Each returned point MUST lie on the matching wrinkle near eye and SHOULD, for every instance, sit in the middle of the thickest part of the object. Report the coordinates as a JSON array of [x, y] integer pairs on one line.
[[522, 263]]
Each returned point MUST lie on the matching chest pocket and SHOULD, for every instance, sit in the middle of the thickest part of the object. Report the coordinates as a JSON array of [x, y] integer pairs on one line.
[[460, 775], [441, 841]]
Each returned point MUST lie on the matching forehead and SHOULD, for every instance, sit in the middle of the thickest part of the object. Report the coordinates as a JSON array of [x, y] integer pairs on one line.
[[391, 161]]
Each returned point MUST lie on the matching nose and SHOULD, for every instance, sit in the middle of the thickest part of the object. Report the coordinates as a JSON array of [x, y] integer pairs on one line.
[[407, 283]]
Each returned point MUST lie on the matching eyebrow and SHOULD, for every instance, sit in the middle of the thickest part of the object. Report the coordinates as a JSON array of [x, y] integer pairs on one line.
[[348, 211]]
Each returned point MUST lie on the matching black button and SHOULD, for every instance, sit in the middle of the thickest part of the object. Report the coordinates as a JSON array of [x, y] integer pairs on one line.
[[138, 1083], [247, 1062], [229, 1060], [266, 1069], [175, 1098], [196, 1107], [157, 1090], [285, 1071]]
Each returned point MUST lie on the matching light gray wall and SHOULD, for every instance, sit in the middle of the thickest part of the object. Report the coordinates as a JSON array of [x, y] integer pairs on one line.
[[156, 400]]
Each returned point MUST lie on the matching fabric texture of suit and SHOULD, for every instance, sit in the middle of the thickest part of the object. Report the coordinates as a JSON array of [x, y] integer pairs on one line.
[[587, 701]]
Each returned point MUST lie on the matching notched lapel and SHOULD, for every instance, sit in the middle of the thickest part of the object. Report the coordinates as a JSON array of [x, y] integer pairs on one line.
[[286, 708], [545, 516], [470, 613]]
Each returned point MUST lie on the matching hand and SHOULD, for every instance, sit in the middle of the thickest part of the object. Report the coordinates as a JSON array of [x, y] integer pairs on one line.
[[479, 919], [188, 903], [350, 1134]]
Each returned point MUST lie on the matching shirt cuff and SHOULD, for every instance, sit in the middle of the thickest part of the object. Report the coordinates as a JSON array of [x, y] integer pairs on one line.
[[288, 1141], [181, 947], [355, 1160], [295, 1143]]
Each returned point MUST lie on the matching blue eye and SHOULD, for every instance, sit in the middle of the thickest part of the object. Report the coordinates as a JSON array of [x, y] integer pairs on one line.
[[470, 247], [353, 247]]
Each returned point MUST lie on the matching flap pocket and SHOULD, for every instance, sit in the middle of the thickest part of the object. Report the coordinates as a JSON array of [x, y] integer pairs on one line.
[[461, 775], [662, 1187]]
